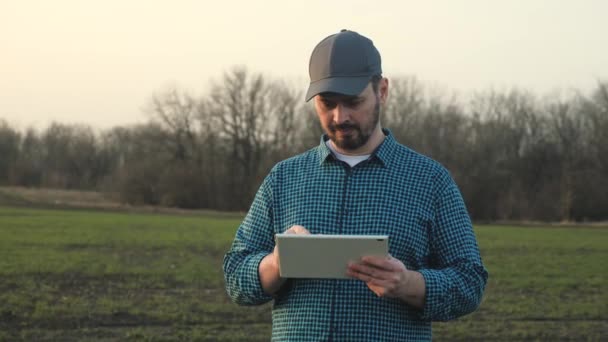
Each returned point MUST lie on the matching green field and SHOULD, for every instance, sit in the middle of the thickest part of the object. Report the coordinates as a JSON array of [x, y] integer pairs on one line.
[[95, 276]]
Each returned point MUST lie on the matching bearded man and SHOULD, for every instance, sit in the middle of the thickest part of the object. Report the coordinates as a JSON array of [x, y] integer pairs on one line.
[[358, 181]]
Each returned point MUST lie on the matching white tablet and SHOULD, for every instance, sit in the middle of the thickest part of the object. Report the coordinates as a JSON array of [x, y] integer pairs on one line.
[[325, 256]]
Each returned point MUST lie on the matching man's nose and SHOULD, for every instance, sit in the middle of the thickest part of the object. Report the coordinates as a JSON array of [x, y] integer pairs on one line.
[[341, 114]]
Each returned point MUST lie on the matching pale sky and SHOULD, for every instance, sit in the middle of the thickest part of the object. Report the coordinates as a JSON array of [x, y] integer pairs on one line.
[[99, 62]]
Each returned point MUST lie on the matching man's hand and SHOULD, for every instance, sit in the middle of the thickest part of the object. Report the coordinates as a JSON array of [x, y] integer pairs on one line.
[[269, 266], [297, 230], [292, 230], [388, 277]]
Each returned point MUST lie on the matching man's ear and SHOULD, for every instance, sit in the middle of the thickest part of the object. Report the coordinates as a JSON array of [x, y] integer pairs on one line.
[[383, 89]]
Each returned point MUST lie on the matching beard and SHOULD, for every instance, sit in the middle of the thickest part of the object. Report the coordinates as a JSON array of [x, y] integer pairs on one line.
[[351, 135]]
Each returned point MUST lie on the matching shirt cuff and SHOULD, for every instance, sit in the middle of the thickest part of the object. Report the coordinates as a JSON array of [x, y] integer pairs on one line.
[[436, 303], [252, 278]]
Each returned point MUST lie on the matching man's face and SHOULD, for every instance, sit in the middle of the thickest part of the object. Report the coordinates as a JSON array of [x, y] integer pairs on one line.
[[349, 121]]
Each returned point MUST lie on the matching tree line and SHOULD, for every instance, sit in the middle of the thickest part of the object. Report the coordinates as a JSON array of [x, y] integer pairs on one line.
[[514, 155]]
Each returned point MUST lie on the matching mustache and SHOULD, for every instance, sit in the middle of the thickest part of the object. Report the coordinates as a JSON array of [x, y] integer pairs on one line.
[[342, 126]]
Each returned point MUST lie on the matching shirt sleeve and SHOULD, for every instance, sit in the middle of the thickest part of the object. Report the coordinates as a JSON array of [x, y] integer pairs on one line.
[[253, 241], [456, 280]]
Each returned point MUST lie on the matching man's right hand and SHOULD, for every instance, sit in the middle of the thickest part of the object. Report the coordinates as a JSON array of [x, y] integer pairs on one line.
[[292, 230], [269, 266]]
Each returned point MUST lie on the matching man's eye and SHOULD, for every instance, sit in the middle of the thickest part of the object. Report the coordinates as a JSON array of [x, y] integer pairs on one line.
[[353, 103], [328, 104]]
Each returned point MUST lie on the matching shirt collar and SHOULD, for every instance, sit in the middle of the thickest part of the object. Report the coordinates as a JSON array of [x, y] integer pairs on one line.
[[383, 153]]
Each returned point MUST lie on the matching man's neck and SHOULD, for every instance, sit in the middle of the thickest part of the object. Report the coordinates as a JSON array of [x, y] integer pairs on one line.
[[370, 146]]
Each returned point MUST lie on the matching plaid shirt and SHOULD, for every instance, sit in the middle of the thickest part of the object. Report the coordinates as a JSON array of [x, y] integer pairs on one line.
[[396, 192]]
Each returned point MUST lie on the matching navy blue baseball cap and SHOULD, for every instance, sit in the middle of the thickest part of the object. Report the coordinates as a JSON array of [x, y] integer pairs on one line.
[[343, 63]]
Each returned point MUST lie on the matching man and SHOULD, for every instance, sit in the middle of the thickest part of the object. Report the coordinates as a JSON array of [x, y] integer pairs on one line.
[[359, 180]]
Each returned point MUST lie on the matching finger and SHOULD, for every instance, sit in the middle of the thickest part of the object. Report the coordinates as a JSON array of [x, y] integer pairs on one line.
[[297, 229], [377, 258], [356, 270], [380, 263], [387, 285], [371, 272], [364, 278], [358, 275], [371, 281], [387, 263], [301, 230]]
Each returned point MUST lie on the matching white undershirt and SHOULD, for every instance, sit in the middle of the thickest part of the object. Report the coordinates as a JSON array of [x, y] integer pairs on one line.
[[350, 160]]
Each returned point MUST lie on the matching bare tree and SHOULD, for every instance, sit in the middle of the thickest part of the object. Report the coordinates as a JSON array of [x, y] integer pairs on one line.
[[404, 108], [500, 122], [598, 116], [242, 107], [70, 157], [9, 150], [176, 112], [28, 166], [283, 120], [567, 132], [142, 158]]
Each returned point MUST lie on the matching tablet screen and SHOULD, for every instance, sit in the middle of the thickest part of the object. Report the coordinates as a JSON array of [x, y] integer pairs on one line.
[[325, 256]]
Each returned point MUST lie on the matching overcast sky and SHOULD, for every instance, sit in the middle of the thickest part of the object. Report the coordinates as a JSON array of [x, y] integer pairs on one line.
[[99, 62]]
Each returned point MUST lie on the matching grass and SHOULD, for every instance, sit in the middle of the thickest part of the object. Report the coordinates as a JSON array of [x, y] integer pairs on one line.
[[103, 276], [546, 283]]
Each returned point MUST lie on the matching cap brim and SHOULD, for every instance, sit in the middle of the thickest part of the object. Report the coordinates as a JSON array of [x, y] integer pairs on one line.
[[341, 85]]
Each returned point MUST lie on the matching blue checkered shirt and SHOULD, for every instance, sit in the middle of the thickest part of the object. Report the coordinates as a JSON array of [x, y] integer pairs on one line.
[[396, 192]]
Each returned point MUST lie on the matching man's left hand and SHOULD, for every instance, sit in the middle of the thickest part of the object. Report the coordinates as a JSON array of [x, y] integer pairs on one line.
[[385, 276]]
